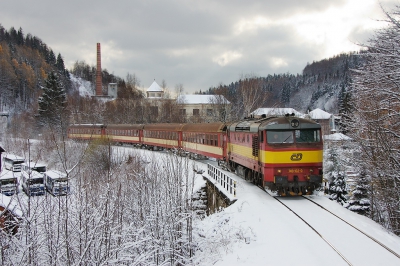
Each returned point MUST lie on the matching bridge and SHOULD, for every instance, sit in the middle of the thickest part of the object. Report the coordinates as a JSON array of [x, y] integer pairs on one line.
[[220, 188]]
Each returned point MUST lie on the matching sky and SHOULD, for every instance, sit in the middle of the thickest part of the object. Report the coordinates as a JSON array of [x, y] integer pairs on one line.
[[198, 44]]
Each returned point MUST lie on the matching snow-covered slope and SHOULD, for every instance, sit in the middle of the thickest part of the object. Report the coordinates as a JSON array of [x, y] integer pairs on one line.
[[84, 87]]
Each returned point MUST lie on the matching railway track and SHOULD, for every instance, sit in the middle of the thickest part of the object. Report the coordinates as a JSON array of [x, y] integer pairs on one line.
[[370, 237], [314, 219]]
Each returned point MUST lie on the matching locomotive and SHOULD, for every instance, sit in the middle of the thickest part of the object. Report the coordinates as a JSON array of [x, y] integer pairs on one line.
[[281, 153]]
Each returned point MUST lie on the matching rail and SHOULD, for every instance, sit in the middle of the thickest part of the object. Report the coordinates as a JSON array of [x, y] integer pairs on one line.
[[224, 180]]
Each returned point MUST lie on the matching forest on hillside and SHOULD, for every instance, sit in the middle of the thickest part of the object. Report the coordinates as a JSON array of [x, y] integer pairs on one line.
[[321, 85], [25, 61]]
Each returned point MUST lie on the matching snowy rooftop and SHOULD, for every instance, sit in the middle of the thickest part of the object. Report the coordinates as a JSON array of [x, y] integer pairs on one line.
[[55, 174], [14, 157], [276, 111], [10, 204], [154, 87], [5, 174], [201, 99], [319, 114], [336, 136]]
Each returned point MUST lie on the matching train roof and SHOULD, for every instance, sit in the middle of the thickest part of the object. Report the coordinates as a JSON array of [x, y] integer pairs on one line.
[[125, 126], [273, 123], [289, 122], [249, 125], [205, 127], [164, 127]]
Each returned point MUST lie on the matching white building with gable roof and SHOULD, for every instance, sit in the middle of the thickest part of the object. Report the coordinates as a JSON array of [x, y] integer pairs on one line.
[[155, 91], [325, 119]]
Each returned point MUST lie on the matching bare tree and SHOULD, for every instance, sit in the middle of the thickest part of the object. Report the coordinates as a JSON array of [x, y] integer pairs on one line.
[[251, 93], [375, 122]]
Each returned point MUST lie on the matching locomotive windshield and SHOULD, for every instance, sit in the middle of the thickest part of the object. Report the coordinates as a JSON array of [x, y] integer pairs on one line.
[[280, 136], [301, 136], [307, 135]]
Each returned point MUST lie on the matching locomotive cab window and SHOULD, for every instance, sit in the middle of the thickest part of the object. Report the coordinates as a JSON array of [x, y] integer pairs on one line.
[[307, 135], [279, 137]]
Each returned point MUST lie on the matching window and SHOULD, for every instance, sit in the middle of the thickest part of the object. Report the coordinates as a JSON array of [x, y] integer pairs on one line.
[[280, 136], [307, 135], [182, 111], [196, 111], [210, 112]]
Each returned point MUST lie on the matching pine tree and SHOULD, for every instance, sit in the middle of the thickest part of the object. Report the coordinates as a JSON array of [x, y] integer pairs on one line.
[[53, 101], [334, 173], [337, 188], [60, 64], [359, 200]]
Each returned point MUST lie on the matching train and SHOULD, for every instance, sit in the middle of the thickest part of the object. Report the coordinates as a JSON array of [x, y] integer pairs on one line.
[[281, 153]]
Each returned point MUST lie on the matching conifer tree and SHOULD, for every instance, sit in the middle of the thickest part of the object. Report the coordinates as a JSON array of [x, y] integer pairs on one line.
[[359, 200], [334, 172], [52, 103], [337, 188]]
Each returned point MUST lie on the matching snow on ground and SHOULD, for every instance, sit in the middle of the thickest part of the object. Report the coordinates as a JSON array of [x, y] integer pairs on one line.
[[272, 235], [258, 230]]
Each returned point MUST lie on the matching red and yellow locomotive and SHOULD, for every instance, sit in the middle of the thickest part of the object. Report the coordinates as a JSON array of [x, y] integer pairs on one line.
[[281, 153]]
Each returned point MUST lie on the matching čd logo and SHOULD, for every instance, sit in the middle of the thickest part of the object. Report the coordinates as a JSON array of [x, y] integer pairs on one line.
[[296, 157]]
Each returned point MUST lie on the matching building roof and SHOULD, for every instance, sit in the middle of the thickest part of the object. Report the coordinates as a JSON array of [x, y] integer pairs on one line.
[[154, 87], [276, 111], [336, 137], [201, 99], [319, 114]]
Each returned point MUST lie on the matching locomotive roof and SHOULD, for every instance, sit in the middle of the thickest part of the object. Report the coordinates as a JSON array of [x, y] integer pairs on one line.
[[205, 127], [273, 123], [164, 126], [248, 125], [289, 122]]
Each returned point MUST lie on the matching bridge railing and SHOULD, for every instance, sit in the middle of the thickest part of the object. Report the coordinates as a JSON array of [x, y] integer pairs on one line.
[[224, 180]]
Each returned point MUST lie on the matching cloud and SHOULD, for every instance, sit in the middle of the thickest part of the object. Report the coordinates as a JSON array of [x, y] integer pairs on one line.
[[227, 57], [196, 43]]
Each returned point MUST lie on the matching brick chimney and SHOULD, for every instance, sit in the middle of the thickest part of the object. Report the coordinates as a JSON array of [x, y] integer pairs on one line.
[[99, 89]]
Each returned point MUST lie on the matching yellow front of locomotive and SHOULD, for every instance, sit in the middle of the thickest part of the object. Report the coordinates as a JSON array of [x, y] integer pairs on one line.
[[291, 152]]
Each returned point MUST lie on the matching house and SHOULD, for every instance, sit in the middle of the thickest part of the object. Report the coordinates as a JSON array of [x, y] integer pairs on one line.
[[203, 108], [325, 119]]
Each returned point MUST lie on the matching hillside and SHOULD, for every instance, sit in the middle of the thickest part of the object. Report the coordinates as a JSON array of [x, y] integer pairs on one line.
[[319, 86]]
